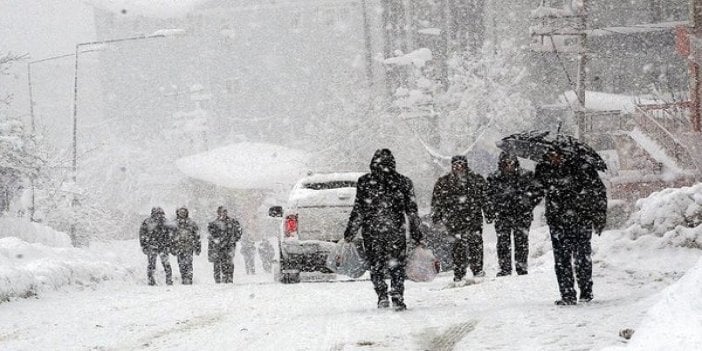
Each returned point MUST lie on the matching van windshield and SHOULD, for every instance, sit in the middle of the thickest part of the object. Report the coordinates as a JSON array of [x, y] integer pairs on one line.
[[330, 185]]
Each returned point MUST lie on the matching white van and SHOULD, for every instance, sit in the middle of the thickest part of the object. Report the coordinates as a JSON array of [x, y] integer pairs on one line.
[[314, 219]]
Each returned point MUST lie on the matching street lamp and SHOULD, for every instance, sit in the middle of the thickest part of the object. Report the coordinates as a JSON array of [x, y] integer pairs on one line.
[[162, 33]]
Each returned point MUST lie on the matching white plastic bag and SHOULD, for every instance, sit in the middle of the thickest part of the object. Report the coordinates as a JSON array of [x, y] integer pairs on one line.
[[347, 259], [422, 265]]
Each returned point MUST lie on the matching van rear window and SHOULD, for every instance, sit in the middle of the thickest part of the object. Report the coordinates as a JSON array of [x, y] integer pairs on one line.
[[330, 185]]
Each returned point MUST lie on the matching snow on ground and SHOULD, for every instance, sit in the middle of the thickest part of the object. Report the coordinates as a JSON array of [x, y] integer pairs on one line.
[[647, 282]]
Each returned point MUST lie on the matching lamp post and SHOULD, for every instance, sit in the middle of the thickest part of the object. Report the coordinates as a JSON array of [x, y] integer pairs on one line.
[[164, 33]]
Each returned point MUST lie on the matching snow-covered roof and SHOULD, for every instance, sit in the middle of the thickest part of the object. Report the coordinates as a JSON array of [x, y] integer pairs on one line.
[[598, 101], [247, 166]]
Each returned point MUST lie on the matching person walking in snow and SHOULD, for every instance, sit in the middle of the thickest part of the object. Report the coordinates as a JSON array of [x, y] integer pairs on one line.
[[266, 253], [185, 239], [458, 202], [248, 250], [224, 232], [576, 205], [384, 204], [513, 194], [155, 242]]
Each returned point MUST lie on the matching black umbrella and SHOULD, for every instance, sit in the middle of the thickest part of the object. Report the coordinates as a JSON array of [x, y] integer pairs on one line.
[[535, 144]]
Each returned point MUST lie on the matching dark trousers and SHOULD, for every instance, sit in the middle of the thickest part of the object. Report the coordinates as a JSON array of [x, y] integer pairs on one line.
[[505, 229], [224, 268], [185, 264], [388, 259], [572, 245], [151, 266], [467, 251]]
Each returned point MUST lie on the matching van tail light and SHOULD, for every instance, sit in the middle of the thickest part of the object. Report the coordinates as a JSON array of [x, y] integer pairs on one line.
[[290, 226]]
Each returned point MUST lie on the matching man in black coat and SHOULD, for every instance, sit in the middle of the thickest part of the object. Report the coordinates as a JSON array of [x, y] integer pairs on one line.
[[513, 195], [224, 232], [155, 242], [576, 205], [384, 204], [185, 242], [458, 202]]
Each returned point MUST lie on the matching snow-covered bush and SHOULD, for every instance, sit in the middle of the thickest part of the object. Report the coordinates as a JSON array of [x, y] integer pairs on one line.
[[673, 214], [29, 269]]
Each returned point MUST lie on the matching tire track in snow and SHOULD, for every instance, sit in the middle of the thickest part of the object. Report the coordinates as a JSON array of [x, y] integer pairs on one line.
[[449, 338], [180, 327]]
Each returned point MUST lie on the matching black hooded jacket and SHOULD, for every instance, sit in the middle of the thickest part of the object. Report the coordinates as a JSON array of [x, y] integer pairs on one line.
[[459, 202], [513, 194], [383, 199], [153, 233], [574, 194]]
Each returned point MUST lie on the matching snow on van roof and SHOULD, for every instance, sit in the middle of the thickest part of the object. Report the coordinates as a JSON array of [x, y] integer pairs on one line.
[[326, 177], [247, 166]]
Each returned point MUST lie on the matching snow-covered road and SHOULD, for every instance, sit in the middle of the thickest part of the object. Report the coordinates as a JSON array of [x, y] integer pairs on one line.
[[511, 313]]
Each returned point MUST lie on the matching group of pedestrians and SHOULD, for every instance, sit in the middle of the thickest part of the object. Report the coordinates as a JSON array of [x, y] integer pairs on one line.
[[575, 200], [159, 238]]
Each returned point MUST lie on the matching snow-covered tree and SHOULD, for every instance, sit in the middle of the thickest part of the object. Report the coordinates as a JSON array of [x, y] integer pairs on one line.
[[482, 103], [17, 163]]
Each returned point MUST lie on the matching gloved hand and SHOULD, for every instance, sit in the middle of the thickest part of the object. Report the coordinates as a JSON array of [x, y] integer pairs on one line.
[[457, 236]]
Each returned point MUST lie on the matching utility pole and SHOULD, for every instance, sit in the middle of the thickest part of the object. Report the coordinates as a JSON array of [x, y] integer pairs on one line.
[[582, 63], [695, 37], [562, 23]]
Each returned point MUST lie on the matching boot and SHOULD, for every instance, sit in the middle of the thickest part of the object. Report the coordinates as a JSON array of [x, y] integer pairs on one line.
[[566, 302], [383, 302], [399, 303]]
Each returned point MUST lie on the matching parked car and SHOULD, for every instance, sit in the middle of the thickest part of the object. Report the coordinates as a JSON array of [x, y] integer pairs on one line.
[[313, 221]]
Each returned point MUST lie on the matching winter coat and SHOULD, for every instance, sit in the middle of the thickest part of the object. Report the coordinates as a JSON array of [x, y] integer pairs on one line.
[[459, 202], [574, 193], [222, 238], [383, 199], [154, 235], [185, 237], [512, 194]]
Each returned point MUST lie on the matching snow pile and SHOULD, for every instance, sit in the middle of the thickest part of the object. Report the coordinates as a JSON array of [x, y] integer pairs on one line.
[[32, 232], [674, 214], [28, 269], [675, 321]]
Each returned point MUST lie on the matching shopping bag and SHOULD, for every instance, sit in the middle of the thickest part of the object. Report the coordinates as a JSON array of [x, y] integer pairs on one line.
[[422, 265], [347, 259]]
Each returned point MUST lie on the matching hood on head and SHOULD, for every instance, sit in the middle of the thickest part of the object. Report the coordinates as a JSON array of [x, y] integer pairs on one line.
[[382, 161], [157, 212], [184, 210], [505, 158]]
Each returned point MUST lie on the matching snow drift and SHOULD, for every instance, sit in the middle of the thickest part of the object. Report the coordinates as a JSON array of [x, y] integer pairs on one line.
[[27, 269]]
